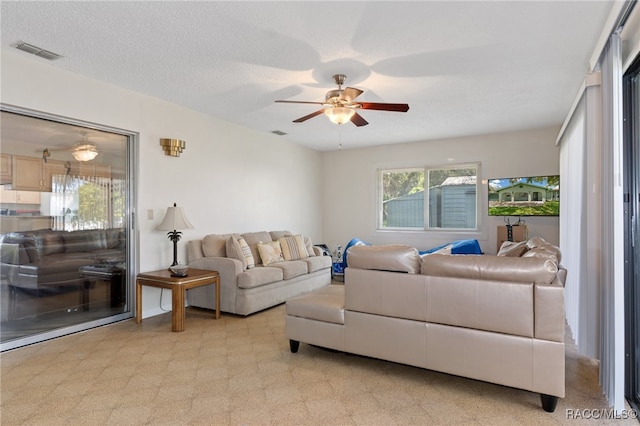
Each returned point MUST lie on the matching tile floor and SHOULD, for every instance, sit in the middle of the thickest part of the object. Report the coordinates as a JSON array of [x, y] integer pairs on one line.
[[239, 371]]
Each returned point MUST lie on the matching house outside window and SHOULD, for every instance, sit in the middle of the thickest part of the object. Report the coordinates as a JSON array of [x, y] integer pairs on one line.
[[450, 202]]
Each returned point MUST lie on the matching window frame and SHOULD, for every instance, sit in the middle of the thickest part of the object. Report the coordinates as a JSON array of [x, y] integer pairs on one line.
[[426, 169]]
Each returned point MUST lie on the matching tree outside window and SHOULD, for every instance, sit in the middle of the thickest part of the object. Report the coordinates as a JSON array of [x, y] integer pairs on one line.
[[451, 201]]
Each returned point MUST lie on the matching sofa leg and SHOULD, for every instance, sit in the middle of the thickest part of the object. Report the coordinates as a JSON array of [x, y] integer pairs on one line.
[[294, 345], [549, 402]]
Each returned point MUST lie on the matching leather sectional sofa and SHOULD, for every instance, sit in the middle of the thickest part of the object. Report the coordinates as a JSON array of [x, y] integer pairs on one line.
[[38, 260], [245, 289], [47, 262], [498, 319]]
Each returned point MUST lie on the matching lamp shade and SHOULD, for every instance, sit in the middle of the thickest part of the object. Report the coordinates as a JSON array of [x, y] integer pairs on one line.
[[84, 152], [339, 114], [174, 219]]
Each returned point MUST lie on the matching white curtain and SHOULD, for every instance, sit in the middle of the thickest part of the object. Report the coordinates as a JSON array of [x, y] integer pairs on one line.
[[572, 220], [612, 326], [591, 224], [580, 236]]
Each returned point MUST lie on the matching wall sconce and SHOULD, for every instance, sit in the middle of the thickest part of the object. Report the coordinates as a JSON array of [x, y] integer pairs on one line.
[[173, 147]]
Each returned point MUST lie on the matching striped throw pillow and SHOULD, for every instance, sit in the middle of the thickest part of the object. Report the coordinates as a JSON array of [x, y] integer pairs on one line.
[[293, 247]]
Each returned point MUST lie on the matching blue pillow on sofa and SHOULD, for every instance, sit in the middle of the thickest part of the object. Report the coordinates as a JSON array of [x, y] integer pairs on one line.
[[458, 247]]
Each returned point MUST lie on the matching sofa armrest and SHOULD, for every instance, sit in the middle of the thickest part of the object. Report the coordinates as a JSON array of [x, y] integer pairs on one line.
[[228, 269], [549, 313]]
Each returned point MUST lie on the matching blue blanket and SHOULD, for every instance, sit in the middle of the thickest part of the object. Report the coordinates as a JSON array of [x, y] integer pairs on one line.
[[459, 247]]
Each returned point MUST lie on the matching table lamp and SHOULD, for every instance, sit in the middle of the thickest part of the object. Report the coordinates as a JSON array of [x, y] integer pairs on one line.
[[173, 220]]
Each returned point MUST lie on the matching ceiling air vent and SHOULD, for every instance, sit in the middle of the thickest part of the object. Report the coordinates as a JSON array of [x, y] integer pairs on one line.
[[35, 50], [278, 132]]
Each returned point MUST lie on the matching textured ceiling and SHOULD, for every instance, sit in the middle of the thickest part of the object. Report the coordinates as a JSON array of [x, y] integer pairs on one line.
[[463, 67]]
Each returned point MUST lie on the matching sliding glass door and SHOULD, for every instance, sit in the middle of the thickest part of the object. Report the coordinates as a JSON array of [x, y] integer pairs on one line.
[[65, 231], [632, 233]]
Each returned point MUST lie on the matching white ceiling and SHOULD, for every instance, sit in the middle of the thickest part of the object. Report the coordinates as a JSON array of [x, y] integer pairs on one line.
[[464, 68]]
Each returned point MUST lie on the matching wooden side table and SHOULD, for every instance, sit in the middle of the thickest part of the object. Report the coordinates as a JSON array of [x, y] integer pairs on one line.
[[178, 287]]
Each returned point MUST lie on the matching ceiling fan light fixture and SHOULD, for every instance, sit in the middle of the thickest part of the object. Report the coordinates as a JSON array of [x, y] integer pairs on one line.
[[339, 115], [84, 152]]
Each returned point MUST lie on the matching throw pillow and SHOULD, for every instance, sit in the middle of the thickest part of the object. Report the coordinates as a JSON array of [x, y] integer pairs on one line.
[[246, 252], [511, 249], [293, 247], [270, 252], [234, 251], [309, 246]]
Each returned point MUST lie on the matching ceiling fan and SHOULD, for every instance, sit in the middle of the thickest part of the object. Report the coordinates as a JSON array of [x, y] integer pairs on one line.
[[81, 151], [340, 107]]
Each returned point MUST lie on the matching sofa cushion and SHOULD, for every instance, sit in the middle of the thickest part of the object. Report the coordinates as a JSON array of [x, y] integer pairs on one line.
[[259, 276], [214, 245], [54, 269], [51, 242], [291, 268], [270, 252], [84, 241], [316, 263], [392, 257], [252, 239], [324, 304], [293, 247], [276, 235], [354, 242], [495, 268]]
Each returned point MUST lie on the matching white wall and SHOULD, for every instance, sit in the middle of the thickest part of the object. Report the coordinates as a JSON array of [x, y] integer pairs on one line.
[[349, 208], [228, 179]]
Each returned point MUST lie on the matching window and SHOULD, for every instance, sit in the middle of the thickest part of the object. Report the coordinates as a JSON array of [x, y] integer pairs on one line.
[[87, 202], [450, 202]]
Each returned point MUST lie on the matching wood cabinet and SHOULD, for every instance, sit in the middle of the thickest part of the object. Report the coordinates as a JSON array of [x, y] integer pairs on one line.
[[24, 223], [5, 169], [33, 174], [26, 173], [519, 233], [19, 197], [27, 197], [7, 197], [52, 167]]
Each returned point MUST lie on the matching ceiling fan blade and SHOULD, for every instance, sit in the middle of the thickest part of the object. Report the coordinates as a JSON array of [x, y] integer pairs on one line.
[[301, 102], [358, 120], [351, 93], [384, 107], [306, 117]]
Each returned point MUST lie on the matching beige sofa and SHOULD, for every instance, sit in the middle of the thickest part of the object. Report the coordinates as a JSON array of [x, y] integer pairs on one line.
[[244, 289], [498, 319]]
